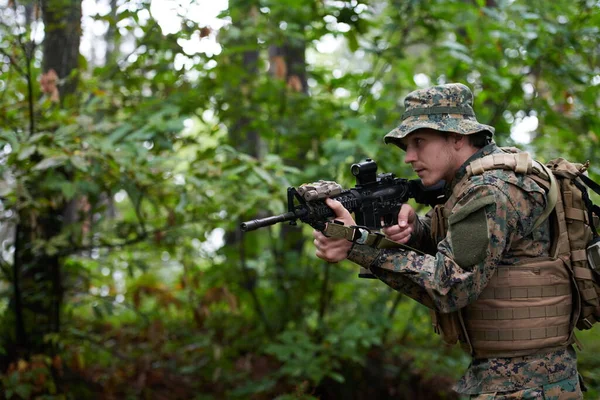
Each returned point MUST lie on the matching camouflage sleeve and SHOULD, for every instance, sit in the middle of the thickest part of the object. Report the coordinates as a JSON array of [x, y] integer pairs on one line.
[[481, 227]]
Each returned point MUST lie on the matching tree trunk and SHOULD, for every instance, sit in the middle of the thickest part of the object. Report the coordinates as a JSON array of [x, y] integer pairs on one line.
[[62, 22], [35, 306]]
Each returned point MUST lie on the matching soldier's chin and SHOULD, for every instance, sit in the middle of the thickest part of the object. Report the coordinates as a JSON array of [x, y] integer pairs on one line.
[[425, 180]]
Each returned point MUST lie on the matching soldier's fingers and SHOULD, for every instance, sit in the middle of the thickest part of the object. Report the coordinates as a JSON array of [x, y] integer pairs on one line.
[[391, 230], [401, 236], [324, 255], [395, 229], [319, 254]]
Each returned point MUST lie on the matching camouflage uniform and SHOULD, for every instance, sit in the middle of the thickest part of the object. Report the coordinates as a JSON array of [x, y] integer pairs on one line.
[[514, 202]]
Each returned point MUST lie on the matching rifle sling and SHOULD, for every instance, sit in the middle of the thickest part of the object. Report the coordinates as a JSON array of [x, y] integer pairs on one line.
[[374, 239]]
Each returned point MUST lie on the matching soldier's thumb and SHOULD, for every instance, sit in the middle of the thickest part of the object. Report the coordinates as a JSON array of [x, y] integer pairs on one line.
[[336, 206], [404, 216]]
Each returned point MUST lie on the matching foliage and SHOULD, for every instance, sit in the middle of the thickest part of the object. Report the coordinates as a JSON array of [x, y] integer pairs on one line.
[[165, 148]]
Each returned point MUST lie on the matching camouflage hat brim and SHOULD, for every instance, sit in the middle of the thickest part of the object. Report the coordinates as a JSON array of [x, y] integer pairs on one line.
[[457, 123]]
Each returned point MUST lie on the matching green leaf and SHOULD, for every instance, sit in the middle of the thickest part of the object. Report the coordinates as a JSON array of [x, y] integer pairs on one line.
[[50, 162], [98, 313], [119, 133], [238, 170], [263, 174], [337, 377], [68, 189], [26, 152], [79, 163], [24, 390], [352, 41], [39, 136], [5, 188]]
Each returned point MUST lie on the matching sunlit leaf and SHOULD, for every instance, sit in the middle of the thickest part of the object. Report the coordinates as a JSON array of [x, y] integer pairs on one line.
[[51, 162]]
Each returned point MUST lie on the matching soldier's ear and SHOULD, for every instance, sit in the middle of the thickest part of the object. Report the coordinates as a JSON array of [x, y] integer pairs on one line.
[[458, 141]]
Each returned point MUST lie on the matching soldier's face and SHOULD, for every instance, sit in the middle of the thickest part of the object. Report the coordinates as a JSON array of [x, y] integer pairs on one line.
[[431, 155]]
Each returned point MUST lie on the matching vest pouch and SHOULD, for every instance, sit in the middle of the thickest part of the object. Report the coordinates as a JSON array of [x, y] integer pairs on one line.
[[447, 325]]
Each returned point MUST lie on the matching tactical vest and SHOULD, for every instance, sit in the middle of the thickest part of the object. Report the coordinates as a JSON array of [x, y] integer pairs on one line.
[[527, 307]]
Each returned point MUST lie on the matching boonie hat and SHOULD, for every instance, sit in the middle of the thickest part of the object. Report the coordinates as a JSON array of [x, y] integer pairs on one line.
[[446, 108]]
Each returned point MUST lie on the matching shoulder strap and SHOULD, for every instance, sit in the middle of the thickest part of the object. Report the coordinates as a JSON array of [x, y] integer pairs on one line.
[[590, 183], [552, 195], [521, 163], [591, 207]]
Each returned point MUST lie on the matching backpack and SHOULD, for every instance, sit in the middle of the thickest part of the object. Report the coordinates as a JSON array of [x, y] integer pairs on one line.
[[573, 214]]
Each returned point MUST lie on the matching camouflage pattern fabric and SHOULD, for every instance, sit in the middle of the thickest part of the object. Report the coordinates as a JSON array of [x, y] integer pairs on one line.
[[566, 389], [447, 108], [510, 375], [519, 201]]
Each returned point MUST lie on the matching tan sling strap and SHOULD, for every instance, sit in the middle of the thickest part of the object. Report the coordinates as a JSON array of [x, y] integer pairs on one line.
[[374, 239]]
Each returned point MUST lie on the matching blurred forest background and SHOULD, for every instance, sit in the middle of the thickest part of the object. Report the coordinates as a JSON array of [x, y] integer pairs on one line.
[[135, 136]]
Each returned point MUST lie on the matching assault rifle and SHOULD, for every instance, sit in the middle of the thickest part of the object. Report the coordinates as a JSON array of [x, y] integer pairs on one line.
[[376, 197]]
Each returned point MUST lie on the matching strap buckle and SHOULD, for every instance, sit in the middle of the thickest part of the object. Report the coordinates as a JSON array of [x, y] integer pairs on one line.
[[586, 323], [360, 235]]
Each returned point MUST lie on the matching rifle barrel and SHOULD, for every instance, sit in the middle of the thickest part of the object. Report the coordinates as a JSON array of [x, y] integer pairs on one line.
[[262, 222]]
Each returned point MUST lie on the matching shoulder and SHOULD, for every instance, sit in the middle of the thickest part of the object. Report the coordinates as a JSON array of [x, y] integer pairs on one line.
[[509, 184]]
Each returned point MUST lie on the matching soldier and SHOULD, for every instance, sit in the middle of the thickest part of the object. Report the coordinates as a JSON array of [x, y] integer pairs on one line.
[[484, 266]]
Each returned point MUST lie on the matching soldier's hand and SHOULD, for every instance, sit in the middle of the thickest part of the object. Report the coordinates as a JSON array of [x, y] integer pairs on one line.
[[333, 249], [402, 232]]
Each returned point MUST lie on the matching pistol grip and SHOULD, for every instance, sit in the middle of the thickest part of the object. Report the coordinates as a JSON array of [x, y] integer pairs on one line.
[[390, 219]]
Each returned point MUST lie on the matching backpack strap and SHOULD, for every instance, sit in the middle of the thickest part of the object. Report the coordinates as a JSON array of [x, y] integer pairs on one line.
[[552, 195], [591, 207], [590, 183]]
